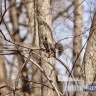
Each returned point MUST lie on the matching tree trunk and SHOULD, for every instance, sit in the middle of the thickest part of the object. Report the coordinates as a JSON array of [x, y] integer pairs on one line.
[[33, 28], [3, 74], [90, 56], [77, 41], [15, 36], [45, 26]]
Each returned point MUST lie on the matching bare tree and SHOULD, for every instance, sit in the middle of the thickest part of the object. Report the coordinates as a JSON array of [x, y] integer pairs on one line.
[[3, 71], [33, 28], [77, 40], [45, 25], [90, 56], [14, 17]]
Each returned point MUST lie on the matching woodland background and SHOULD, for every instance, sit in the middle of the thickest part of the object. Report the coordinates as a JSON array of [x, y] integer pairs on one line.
[[26, 69]]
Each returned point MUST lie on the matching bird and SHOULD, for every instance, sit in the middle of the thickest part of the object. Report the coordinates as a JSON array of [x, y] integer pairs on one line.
[[46, 45], [49, 47]]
